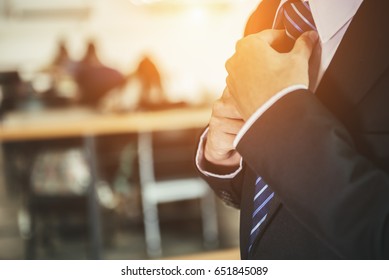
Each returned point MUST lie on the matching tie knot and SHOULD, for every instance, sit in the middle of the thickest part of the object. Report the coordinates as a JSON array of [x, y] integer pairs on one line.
[[296, 18]]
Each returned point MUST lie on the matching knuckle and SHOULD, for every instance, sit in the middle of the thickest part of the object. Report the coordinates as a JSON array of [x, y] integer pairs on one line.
[[227, 64], [230, 84], [240, 43]]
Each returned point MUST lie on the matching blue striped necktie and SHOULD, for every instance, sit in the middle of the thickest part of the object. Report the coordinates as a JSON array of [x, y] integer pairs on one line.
[[296, 18], [263, 196]]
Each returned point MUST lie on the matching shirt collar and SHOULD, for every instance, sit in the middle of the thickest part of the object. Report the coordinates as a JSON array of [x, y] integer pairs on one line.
[[330, 20], [331, 15]]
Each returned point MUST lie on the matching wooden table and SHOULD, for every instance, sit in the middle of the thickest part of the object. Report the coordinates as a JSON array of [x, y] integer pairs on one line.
[[86, 124], [76, 122]]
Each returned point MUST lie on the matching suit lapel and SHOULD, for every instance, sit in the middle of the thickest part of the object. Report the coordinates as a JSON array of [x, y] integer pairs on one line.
[[359, 61]]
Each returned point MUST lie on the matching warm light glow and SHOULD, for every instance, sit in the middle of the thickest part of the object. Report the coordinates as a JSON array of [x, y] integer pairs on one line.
[[189, 40], [197, 15], [182, 2]]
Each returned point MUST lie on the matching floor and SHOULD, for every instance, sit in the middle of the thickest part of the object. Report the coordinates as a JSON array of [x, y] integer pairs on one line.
[[123, 233]]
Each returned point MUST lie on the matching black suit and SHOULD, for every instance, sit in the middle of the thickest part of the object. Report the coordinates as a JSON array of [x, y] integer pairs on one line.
[[326, 156]]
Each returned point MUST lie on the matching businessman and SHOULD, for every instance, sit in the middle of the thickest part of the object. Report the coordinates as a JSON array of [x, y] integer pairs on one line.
[[299, 140]]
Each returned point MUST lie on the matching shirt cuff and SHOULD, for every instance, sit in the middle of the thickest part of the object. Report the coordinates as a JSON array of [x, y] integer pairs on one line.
[[263, 109], [200, 161]]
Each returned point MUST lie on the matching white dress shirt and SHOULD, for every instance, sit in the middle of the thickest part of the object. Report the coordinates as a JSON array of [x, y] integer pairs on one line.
[[332, 18]]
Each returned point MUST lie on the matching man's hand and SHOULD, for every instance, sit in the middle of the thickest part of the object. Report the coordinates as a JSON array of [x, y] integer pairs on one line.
[[257, 71], [225, 123]]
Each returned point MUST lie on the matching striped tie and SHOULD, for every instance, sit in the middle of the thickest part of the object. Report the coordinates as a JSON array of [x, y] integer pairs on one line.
[[263, 195], [296, 18]]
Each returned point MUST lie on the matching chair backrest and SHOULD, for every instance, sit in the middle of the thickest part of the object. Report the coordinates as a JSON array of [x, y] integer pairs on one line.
[[167, 155]]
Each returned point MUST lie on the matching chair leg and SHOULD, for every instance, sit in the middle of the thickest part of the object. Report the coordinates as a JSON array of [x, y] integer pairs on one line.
[[152, 231], [210, 223], [31, 240]]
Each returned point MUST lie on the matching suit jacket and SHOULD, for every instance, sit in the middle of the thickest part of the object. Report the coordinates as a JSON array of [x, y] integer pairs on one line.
[[325, 155]]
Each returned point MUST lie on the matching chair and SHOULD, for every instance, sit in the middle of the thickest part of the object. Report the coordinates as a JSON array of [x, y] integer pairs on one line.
[[172, 150], [46, 175]]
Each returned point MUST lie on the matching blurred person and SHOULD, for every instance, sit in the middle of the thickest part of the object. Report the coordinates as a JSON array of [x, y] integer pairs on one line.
[[62, 59], [94, 78], [299, 140], [152, 93], [142, 90], [58, 79], [90, 57]]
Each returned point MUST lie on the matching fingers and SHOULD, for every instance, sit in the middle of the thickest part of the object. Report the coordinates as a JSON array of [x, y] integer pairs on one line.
[[225, 115], [226, 93], [268, 36], [226, 96], [219, 150], [228, 126], [221, 144], [225, 107], [271, 36], [257, 70], [305, 43], [280, 42], [224, 124]]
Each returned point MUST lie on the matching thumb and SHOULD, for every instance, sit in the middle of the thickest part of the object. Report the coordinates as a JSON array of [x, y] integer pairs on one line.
[[305, 43], [271, 36]]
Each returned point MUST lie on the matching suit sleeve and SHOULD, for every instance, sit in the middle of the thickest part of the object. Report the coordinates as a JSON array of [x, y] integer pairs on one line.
[[227, 187], [228, 190], [311, 162]]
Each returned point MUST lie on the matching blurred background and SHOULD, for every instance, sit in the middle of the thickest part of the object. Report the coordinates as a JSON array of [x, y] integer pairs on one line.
[[101, 106]]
